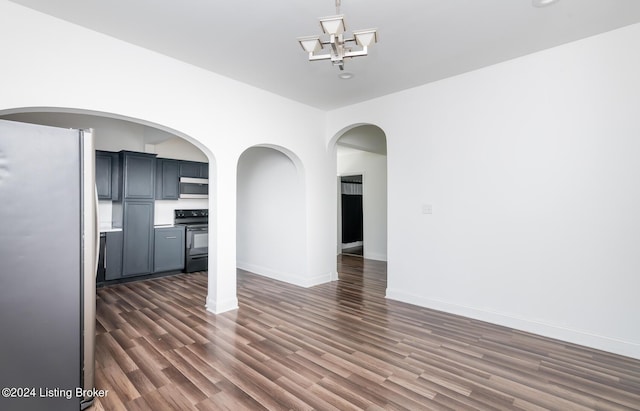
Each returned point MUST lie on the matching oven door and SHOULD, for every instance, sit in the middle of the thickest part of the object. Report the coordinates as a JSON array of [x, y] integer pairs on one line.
[[197, 240]]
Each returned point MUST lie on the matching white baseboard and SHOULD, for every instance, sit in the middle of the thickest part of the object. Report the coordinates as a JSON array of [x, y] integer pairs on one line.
[[375, 256], [616, 346], [219, 307], [286, 277]]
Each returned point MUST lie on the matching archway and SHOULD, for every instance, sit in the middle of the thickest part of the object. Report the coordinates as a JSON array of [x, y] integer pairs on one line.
[[114, 132], [361, 151], [271, 229]]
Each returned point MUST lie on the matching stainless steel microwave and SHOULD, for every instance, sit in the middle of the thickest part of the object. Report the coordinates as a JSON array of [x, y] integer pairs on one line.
[[194, 187]]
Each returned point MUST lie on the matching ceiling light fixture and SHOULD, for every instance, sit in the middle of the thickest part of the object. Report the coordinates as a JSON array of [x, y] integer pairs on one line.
[[341, 47], [543, 3]]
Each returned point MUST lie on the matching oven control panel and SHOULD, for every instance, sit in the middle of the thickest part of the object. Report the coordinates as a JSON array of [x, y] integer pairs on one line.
[[192, 213], [199, 216]]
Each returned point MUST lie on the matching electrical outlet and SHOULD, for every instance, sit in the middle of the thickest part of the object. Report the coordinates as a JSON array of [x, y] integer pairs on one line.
[[427, 209]]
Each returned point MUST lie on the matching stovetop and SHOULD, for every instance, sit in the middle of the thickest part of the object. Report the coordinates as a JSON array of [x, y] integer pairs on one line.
[[196, 216]]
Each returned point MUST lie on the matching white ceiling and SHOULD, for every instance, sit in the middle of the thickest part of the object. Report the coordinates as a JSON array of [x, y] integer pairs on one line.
[[254, 41]]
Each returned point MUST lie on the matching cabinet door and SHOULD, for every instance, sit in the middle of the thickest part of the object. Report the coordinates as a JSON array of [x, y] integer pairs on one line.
[[189, 169], [194, 169], [108, 175], [104, 167], [137, 254], [139, 176], [113, 255], [167, 180], [204, 170], [169, 249]]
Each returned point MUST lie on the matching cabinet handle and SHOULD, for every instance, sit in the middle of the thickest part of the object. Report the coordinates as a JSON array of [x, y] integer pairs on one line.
[[169, 238]]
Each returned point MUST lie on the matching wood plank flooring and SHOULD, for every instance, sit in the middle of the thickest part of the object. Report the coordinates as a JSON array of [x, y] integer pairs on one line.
[[338, 346]]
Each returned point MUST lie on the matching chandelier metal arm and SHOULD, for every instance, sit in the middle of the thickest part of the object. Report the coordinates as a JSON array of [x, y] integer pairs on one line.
[[359, 53]]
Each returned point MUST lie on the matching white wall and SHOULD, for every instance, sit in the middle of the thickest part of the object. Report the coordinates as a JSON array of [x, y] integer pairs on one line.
[[180, 149], [373, 167], [532, 170], [531, 167], [115, 135], [365, 137], [54, 64], [271, 227], [164, 209], [109, 134]]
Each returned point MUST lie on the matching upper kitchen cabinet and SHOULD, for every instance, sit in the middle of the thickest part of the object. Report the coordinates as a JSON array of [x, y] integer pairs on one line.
[[107, 166], [194, 169], [139, 175], [167, 179]]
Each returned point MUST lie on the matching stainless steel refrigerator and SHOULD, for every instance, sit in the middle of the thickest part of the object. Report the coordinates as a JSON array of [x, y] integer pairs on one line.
[[47, 267]]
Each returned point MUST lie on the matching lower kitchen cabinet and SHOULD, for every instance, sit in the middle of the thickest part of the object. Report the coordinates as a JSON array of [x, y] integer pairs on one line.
[[113, 255], [169, 249]]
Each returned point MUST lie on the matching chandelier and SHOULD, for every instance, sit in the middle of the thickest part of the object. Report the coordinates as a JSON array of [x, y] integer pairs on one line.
[[341, 46]]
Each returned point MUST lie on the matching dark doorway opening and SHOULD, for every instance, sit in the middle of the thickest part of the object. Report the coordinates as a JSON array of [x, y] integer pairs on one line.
[[352, 216]]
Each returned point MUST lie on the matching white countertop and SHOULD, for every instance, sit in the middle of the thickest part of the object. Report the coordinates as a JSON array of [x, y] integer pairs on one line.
[[104, 228]]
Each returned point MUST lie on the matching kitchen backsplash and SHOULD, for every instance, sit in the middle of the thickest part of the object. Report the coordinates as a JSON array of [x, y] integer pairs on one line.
[[163, 210], [104, 215]]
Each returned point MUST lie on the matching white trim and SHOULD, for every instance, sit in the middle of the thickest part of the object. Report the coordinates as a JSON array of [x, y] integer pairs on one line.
[[600, 342], [216, 307], [374, 256], [193, 180], [305, 282], [194, 195]]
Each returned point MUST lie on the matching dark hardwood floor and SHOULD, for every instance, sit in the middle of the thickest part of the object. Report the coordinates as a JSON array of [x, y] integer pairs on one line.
[[337, 346]]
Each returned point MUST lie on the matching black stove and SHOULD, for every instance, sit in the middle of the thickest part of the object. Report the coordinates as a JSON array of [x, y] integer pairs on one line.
[[196, 224]]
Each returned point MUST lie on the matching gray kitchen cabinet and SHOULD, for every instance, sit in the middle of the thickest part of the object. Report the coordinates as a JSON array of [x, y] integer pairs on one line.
[[167, 179], [107, 172], [194, 169], [134, 211], [103, 176], [137, 253], [139, 175], [169, 249], [113, 255]]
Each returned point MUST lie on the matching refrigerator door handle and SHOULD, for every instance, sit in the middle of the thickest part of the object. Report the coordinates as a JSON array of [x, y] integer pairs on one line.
[[96, 230]]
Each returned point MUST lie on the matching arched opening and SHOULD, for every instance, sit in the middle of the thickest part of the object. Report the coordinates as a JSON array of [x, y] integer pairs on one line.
[[115, 125], [271, 229], [112, 134], [361, 158]]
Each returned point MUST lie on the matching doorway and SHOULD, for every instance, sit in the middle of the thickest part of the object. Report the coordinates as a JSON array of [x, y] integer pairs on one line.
[[351, 197], [361, 168]]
